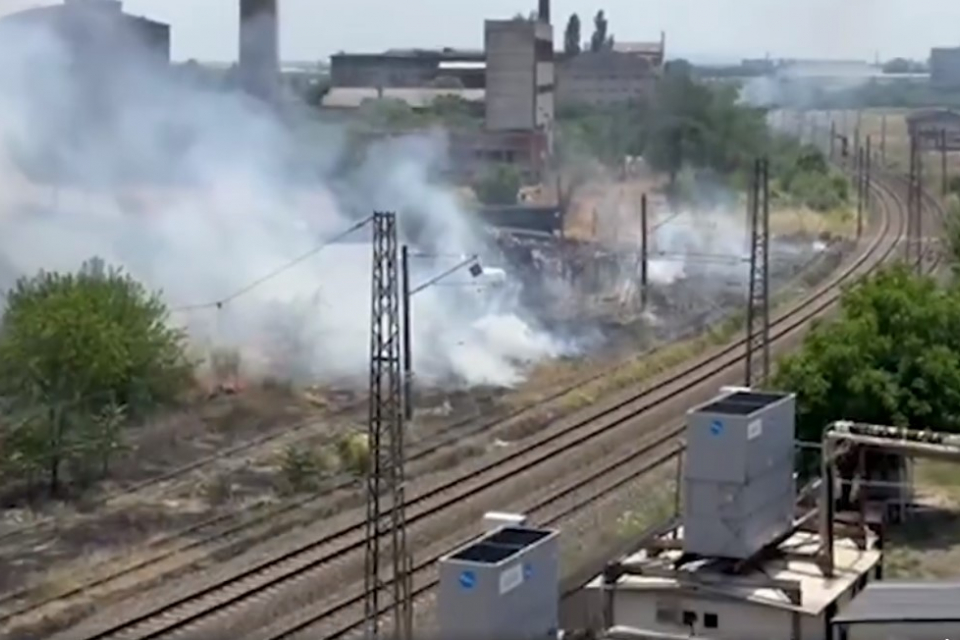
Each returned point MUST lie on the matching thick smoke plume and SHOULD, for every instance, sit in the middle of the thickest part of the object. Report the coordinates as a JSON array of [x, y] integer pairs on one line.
[[201, 193]]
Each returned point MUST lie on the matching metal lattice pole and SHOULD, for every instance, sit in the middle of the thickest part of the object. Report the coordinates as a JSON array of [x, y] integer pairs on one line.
[[914, 252], [758, 303], [386, 516]]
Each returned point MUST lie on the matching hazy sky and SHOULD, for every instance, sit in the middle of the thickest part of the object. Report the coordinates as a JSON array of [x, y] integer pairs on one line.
[[312, 29]]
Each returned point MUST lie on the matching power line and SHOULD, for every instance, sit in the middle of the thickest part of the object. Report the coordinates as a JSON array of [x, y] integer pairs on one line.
[[218, 304]]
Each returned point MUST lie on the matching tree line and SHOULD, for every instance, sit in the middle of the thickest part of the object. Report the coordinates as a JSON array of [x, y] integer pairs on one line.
[[600, 39], [890, 356], [83, 356]]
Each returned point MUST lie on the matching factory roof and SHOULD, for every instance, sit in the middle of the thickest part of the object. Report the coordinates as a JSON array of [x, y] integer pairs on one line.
[[416, 97], [638, 47], [922, 115], [795, 563], [445, 53], [68, 10], [904, 601]]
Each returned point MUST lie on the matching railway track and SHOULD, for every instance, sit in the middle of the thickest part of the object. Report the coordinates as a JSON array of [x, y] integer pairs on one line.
[[233, 598], [216, 535]]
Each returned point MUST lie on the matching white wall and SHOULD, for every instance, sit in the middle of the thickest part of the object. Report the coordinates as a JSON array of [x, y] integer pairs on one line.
[[511, 75], [736, 620]]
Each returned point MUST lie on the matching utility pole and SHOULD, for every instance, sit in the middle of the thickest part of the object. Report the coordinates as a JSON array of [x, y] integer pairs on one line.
[[386, 516], [407, 338], [915, 205], [644, 251], [861, 188], [867, 179], [943, 163], [856, 130], [883, 140], [758, 304], [833, 138]]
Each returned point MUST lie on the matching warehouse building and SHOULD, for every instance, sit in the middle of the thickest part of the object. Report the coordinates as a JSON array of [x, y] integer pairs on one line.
[[945, 67], [97, 33], [407, 68], [903, 610], [628, 72]]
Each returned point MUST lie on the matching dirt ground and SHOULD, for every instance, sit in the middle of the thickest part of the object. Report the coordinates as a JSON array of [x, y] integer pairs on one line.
[[928, 544]]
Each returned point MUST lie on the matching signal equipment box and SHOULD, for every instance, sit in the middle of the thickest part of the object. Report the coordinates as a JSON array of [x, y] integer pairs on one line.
[[505, 584], [739, 487]]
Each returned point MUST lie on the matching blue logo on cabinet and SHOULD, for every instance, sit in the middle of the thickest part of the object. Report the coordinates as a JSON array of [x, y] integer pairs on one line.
[[716, 427], [468, 580], [527, 571]]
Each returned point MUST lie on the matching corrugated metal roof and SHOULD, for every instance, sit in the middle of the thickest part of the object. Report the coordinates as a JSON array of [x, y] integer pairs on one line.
[[638, 47], [353, 97], [932, 114], [902, 601]]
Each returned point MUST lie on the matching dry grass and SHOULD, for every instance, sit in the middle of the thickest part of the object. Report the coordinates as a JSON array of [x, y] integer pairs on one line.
[[928, 544], [621, 516], [839, 223]]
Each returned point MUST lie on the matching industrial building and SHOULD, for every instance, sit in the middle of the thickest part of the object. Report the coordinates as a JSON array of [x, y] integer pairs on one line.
[[97, 34], [945, 67], [935, 127], [259, 59], [903, 610], [408, 68], [744, 564], [519, 75], [627, 72], [783, 596]]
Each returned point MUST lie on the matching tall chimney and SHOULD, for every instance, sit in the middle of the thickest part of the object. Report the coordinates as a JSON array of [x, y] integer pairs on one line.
[[543, 12], [259, 63]]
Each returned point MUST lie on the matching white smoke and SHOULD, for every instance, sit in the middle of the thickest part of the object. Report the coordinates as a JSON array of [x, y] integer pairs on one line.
[[200, 194], [805, 85], [702, 240]]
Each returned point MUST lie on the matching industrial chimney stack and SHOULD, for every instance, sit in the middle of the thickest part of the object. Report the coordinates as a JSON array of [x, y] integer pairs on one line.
[[259, 65], [543, 11]]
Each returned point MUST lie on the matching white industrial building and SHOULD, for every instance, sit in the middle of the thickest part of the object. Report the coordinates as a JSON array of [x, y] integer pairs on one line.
[[519, 74], [928, 610], [628, 72], [786, 597], [744, 565]]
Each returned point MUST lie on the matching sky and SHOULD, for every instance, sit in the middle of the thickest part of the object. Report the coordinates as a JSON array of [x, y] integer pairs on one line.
[[702, 30]]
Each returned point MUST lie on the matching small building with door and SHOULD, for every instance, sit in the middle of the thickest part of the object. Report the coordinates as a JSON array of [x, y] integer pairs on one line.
[[934, 126], [905, 610], [786, 597]]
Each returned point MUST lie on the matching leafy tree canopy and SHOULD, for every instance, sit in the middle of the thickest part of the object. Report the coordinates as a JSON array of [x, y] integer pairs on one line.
[[77, 352], [499, 186], [571, 36], [601, 40], [892, 356]]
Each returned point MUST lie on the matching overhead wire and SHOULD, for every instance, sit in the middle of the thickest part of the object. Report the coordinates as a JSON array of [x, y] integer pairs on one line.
[[218, 304]]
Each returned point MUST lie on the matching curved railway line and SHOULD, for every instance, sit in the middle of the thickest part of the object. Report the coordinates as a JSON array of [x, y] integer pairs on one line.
[[326, 560], [217, 534]]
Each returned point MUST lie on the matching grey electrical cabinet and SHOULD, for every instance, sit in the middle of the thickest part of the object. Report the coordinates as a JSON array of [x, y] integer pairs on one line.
[[503, 585], [738, 474]]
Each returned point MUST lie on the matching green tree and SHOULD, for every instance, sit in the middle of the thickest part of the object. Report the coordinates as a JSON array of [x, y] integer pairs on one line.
[[600, 40], [892, 356], [79, 352], [571, 36], [499, 185]]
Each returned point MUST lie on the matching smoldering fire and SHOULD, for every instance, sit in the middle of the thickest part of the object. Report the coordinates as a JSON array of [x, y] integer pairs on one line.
[[199, 193]]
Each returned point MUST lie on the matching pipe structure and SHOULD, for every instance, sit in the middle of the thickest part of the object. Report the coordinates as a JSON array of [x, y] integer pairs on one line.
[[837, 438]]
